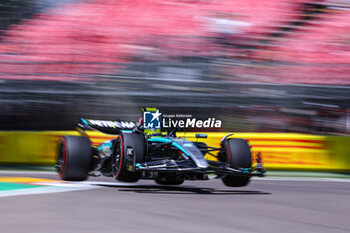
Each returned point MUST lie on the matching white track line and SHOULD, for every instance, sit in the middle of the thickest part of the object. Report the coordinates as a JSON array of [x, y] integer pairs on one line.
[[53, 187], [42, 190], [270, 178], [28, 172], [302, 179]]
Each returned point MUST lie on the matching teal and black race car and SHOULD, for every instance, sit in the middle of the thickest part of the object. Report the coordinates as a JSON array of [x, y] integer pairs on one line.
[[169, 160]]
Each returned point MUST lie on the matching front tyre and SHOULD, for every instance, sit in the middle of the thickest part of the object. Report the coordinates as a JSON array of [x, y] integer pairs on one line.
[[74, 158], [237, 155], [126, 146]]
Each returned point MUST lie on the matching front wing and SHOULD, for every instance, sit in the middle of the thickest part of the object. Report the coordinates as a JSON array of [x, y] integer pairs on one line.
[[214, 167]]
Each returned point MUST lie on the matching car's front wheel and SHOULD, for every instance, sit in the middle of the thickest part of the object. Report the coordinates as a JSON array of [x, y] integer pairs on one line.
[[127, 146], [237, 155]]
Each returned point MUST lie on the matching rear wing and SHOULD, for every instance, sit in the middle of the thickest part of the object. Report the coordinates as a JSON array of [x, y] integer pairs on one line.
[[107, 127]]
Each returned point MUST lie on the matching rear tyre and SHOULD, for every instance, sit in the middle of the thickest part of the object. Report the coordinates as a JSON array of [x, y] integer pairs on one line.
[[74, 158], [125, 144], [238, 155]]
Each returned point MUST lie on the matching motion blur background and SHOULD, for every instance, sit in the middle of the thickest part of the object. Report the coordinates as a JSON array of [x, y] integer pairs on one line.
[[260, 66], [276, 72]]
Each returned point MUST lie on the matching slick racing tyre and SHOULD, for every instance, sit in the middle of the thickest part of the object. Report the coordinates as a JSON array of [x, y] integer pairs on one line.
[[74, 158], [126, 146], [238, 155]]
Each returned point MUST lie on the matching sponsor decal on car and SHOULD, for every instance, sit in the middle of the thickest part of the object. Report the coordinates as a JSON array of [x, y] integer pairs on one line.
[[112, 124]]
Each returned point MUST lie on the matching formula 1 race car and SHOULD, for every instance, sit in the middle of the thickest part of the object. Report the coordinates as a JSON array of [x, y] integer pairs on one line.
[[165, 158]]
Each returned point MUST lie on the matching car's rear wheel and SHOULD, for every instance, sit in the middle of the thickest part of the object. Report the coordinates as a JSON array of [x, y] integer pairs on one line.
[[74, 158], [126, 146], [238, 155]]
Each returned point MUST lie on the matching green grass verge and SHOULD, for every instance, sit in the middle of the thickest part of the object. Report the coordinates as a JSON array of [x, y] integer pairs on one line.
[[12, 186]]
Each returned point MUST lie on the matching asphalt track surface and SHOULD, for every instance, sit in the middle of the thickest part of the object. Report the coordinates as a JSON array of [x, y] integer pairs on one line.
[[266, 205]]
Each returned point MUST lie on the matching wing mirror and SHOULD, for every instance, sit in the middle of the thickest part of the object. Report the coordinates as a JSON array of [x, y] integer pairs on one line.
[[201, 135]]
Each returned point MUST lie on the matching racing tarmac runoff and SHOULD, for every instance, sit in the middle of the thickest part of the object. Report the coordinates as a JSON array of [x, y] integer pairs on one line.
[[39, 202]]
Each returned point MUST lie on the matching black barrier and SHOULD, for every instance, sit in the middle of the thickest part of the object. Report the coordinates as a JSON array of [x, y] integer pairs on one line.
[[192, 87]]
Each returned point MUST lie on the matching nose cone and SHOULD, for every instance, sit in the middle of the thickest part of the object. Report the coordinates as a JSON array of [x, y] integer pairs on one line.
[[202, 163]]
